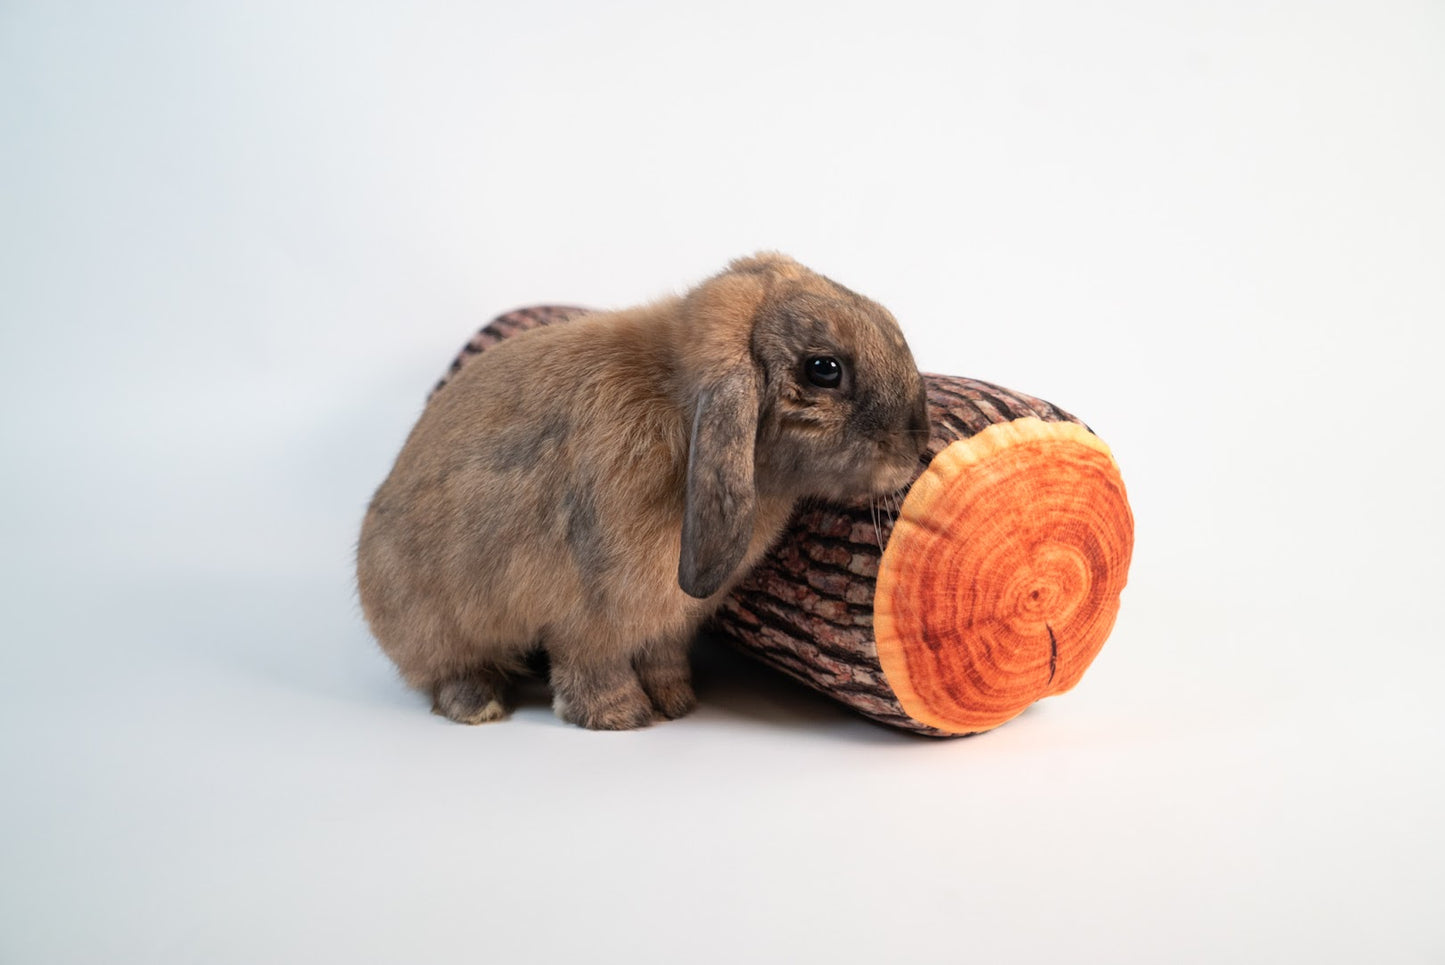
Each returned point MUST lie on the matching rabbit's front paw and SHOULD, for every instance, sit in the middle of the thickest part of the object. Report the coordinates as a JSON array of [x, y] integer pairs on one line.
[[669, 689], [617, 708]]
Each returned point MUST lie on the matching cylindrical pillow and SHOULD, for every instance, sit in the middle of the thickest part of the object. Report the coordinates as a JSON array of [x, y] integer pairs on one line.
[[993, 582]]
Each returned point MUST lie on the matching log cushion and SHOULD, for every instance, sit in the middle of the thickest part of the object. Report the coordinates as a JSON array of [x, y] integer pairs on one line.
[[948, 610]]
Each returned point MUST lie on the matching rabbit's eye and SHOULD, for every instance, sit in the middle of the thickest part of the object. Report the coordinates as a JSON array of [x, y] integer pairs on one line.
[[824, 371]]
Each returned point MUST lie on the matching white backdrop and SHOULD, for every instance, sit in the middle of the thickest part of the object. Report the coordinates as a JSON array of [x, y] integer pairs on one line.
[[238, 242]]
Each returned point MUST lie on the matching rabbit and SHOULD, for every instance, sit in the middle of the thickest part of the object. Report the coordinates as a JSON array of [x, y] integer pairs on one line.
[[595, 488]]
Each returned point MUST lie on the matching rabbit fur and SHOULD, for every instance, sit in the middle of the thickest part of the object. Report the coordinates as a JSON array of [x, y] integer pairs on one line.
[[595, 488]]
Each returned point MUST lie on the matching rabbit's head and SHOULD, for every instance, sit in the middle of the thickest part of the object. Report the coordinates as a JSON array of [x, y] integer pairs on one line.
[[799, 387]]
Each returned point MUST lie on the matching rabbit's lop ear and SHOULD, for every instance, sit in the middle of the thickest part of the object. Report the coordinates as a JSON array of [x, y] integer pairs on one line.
[[717, 521]]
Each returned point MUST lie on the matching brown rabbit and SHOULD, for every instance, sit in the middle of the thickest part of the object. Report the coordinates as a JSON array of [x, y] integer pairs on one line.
[[595, 488]]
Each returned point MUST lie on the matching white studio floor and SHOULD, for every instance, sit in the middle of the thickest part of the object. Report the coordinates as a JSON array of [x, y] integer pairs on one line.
[[236, 249]]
